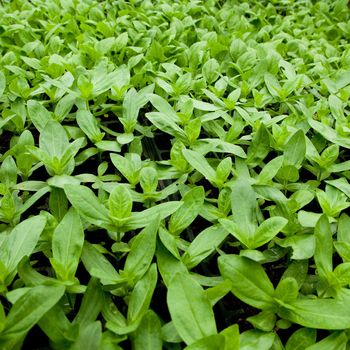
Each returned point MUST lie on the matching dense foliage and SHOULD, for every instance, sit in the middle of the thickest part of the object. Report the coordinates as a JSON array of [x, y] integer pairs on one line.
[[174, 174]]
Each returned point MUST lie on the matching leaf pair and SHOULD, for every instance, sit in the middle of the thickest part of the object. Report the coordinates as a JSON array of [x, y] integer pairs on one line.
[[244, 224], [251, 284], [91, 209], [217, 177], [54, 150]]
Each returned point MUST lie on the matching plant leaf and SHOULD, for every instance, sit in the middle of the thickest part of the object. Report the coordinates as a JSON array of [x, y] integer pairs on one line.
[[249, 281], [190, 309], [87, 205]]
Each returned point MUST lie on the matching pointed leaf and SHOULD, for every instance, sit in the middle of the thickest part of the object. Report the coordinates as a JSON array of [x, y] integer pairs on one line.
[[295, 149], [190, 309], [91, 304], [142, 251], [120, 202], [53, 139], [269, 229], [323, 247], [199, 163], [301, 338], [250, 282], [87, 205], [148, 335], [21, 242], [185, 215], [318, 313], [29, 308], [243, 203], [67, 243], [143, 218], [141, 296]]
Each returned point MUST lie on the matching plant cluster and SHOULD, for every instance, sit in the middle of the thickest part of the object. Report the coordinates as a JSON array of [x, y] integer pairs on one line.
[[174, 174]]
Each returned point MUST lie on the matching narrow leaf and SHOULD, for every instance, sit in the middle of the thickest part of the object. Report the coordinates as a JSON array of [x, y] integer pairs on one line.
[[190, 309], [250, 282], [67, 243], [87, 205], [199, 163]]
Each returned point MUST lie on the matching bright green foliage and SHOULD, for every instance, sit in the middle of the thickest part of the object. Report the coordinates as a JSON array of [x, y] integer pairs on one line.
[[174, 174]]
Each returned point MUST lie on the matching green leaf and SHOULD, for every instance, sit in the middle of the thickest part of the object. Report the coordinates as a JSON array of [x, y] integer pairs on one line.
[[164, 107], [264, 321], [254, 339], [204, 244], [148, 335], [98, 266], [295, 149], [199, 163], [143, 218], [8, 172], [91, 304], [168, 265], [67, 245], [259, 146], [120, 203], [217, 292], [2, 83], [58, 203], [89, 337], [343, 249], [318, 313], [329, 134], [170, 241], [149, 180], [218, 145], [343, 228], [141, 295], [142, 251], [2, 317], [30, 276], [212, 342], [88, 124], [162, 122], [28, 310], [185, 215], [53, 139], [63, 106], [38, 114], [287, 290], [129, 166], [243, 204], [288, 173], [87, 205], [21, 242], [268, 230], [273, 85], [193, 130], [71, 150], [297, 270], [323, 247], [130, 111], [269, 171], [250, 282], [335, 341], [210, 70], [231, 335], [301, 338], [223, 171], [190, 309], [57, 327]]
